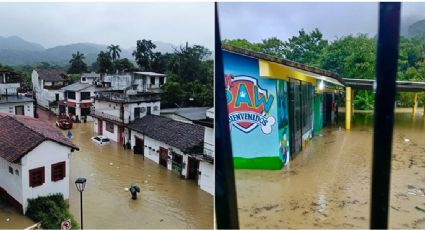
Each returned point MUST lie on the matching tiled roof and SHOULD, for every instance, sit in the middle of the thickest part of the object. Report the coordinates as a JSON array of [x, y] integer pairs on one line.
[[20, 134], [181, 135], [52, 75]]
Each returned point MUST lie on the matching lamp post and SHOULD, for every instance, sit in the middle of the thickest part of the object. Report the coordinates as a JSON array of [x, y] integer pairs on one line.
[[80, 183]]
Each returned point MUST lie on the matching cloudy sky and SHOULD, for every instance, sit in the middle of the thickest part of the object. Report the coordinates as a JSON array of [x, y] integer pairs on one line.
[[52, 24], [257, 21]]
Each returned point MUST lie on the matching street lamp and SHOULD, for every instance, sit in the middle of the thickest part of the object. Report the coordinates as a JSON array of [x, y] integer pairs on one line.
[[81, 183]]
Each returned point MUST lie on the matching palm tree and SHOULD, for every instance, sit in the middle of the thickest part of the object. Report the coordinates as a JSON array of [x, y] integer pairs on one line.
[[114, 51], [77, 63]]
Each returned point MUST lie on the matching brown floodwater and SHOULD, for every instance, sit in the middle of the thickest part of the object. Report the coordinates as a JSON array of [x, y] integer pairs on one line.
[[165, 200], [328, 184]]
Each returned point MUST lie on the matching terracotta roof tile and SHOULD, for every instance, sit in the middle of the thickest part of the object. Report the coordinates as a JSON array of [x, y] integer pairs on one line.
[[52, 75], [20, 134]]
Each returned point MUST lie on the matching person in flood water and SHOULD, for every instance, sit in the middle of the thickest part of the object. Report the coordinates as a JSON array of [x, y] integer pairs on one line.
[[69, 134]]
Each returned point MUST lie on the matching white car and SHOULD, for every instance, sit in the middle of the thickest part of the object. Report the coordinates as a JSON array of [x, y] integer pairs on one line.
[[101, 140]]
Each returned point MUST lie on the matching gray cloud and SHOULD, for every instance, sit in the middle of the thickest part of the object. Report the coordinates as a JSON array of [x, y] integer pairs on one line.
[[257, 21], [52, 24]]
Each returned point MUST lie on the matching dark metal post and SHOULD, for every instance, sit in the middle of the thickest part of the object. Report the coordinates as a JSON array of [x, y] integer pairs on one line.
[[226, 207], [386, 70], [81, 205]]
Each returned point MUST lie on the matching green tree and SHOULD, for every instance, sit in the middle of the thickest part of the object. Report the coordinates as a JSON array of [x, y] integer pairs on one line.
[[114, 51], [77, 64], [243, 43], [305, 48], [273, 46], [123, 65], [144, 54], [104, 63]]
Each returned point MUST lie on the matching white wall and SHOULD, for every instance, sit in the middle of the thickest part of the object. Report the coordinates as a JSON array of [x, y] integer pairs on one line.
[[111, 136], [209, 138], [11, 183], [129, 109], [46, 154], [12, 88], [44, 96], [206, 179], [152, 153], [10, 108]]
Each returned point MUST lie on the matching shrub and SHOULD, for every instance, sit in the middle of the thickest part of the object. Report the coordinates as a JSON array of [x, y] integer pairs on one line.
[[50, 211]]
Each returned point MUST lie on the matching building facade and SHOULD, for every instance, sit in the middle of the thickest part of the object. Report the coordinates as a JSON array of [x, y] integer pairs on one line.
[[38, 166], [177, 146], [46, 87], [275, 106], [11, 101], [113, 110]]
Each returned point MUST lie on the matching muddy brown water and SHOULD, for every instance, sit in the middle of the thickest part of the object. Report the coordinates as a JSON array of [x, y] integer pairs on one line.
[[328, 185], [165, 200]]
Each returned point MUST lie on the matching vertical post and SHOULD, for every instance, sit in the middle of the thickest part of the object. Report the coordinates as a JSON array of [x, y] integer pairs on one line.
[[386, 69], [415, 104], [348, 108], [81, 205], [226, 207]]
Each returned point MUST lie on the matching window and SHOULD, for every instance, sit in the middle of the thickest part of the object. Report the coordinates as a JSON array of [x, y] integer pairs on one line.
[[71, 95], [85, 95], [10, 170], [83, 79], [109, 127], [58, 171], [17, 172], [161, 80], [19, 110], [36, 177], [152, 80]]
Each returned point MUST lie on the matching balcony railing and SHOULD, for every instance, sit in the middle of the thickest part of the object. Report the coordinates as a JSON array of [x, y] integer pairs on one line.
[[108, 116]]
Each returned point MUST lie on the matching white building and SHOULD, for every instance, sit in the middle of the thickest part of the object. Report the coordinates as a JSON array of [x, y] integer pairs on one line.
[[46, 84], [34, 160], [10, 99], [149, 81], [206, 166], [178, 146], [113, 110], [89, 78]]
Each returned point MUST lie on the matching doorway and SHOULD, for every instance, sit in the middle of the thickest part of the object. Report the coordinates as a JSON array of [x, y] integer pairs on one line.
[[163, 156], [139, 147], [295, 116], [192, 168]]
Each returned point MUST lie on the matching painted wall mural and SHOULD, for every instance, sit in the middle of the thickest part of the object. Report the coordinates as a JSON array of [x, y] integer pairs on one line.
[[283, 124], [253, 114]]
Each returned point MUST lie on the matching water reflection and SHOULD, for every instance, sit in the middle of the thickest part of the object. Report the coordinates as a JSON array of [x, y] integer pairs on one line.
[[328, 185]]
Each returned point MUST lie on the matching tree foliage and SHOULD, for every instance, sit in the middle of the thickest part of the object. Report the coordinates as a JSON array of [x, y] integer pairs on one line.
[[352, 56], [77, 64], [144, 54], [114, 51], [104, 63]]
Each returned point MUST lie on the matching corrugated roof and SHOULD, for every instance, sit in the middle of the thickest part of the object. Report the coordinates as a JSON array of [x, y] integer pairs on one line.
[[191, 113], [180, 135], [75, 87], [150, 74], [20, 134]]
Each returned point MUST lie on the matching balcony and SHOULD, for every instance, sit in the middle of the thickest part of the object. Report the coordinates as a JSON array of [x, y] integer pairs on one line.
[[111, 115]]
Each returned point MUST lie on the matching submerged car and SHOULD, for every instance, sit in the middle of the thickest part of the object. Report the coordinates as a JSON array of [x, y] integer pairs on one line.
[[101, 140], [64, 123]]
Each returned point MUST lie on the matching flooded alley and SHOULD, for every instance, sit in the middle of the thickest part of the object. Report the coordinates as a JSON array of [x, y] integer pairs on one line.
[[328, 184], [165, 200]]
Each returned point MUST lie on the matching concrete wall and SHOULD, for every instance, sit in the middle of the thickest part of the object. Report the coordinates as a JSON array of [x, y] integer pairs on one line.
[[129, 109], [44, 96], [12, 88], [206, 179], [46, 154], [10, 108], [112, 136]]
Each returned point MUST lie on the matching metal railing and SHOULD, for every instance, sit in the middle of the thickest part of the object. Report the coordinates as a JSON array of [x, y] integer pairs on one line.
[[106, 115], [121, 97]]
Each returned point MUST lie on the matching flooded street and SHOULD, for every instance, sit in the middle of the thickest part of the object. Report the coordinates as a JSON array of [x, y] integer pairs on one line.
[[328, 185], [165, 200]]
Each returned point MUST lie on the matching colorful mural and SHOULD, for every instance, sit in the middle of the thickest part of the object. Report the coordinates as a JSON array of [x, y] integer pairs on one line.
[[283, 124], [252, 108]]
